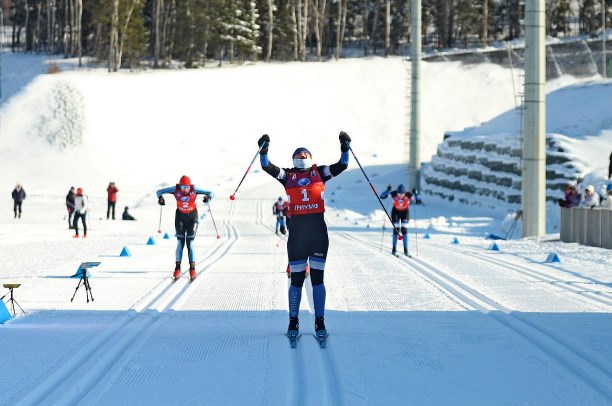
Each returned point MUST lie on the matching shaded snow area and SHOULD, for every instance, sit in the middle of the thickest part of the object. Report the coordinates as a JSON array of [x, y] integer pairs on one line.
[[456, 324]]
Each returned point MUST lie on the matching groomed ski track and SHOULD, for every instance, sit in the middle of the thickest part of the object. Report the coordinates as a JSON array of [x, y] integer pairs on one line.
[[586, 366], [394, 323]]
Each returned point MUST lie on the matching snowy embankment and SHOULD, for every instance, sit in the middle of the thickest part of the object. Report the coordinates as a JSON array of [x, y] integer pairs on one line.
[[457, 324]]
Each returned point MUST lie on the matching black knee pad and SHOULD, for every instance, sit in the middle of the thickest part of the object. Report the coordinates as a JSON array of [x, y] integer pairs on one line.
[[404, 230], [297, 279], [316, 277]]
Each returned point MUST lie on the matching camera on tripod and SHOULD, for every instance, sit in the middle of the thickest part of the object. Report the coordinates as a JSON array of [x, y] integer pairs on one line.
[[12, 301]]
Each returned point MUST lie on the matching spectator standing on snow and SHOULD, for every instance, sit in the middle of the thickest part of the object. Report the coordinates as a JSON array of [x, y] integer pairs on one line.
[[590, 198], [126, 215], [400, 215], [308, 240], [572, 196], [185, 220], [610, 168], [111, 190], [80, 212], [18, 196], [277, 210], [70, 206]]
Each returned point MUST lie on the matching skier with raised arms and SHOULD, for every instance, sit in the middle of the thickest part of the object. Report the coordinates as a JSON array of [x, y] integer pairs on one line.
[[308, 241], [185, 220]]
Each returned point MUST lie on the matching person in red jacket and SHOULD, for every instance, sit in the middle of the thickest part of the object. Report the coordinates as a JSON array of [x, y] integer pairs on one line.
[[112, 199]]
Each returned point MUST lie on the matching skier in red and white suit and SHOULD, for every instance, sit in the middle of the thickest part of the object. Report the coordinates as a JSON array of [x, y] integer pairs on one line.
[[186, 219], [308, 241]]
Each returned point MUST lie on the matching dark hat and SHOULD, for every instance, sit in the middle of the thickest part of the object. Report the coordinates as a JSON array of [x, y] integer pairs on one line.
[[401, 188], [302, 149]]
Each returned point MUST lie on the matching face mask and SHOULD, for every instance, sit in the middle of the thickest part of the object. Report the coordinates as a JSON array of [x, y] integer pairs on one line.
[[302, 163]]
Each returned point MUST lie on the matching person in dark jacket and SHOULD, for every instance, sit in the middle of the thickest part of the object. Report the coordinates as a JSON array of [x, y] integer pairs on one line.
[[572, 196], [112, 199], [126, 215], [19, 196], [70, 206], [610, 168]]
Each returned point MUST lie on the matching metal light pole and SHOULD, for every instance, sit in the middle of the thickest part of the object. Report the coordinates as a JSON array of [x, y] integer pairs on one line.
[[534, 133], [414, 161], [603, 41], [1, 44]]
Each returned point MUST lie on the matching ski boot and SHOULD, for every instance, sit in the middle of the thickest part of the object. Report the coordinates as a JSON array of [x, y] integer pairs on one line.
[[407, 253], [177, 272], [320, 332], [293, 331], [393, 251], [192, 271], [294, 327]]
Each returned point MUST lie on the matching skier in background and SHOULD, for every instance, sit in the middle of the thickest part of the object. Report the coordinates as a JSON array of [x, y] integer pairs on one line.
[[308, 241], [185, 220], [400, 214], [18, 196], [277, 210], [70, 206], [80, 212]]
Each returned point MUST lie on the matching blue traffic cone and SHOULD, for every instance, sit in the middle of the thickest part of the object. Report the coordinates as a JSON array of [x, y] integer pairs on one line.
[[553, 257], [427, 237], [125, 252], [4, 313], [166, 236], [151, 241], [455, 241], [494, 247]]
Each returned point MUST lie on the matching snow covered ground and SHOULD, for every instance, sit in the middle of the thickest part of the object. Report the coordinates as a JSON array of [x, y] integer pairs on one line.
[[457, 324]]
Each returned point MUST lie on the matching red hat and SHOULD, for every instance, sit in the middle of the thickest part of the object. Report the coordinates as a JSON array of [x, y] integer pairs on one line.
[[185, 181], [79, 191]]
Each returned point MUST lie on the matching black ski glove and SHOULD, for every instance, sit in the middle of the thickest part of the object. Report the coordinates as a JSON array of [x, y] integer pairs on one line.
[[389, 188], [345, 141], [205, 199], [161, 201], [264, 143]]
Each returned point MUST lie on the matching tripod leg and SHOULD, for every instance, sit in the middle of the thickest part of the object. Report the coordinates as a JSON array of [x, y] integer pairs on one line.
[[77, 288], [88, 290], [18, 305]]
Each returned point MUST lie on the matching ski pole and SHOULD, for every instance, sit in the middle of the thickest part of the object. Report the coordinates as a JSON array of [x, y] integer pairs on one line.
[[213, 220], [233, 196], [160, 217], [416, 229], [399, 235]]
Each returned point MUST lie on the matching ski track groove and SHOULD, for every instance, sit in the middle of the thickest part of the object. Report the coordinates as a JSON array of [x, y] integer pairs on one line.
[[299, 395], [594, 296], [586, 368], [79, 376], [327, 378]]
